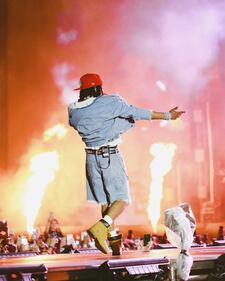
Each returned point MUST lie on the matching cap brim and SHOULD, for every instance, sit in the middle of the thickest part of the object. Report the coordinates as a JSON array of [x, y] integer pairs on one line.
[[77, 89]]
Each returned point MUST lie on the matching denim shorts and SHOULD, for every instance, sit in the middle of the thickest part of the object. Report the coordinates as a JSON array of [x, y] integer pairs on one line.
[[107, 179]]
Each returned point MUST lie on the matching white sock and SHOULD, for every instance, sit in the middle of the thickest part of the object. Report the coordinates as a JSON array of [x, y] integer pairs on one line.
[[108, 219], [113, 233]]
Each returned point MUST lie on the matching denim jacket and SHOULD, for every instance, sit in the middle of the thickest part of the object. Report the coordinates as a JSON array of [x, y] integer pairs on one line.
[[103, 119]]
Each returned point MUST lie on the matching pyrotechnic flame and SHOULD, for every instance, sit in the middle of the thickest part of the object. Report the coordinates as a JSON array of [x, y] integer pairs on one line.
[[58, 130], [161, 164], [43, 167]]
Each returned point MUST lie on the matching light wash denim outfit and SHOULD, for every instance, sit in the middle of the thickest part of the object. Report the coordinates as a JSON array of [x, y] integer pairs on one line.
[[100, 122]]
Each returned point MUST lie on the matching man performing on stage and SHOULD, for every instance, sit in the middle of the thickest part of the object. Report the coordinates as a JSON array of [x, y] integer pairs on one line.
[[100, 120]]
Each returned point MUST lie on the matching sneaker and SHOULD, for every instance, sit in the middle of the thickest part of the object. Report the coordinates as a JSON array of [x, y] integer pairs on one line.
[[99, 233]]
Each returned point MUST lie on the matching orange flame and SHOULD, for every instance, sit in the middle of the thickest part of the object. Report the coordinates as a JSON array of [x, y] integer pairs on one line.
[[161, 164], [58, 130], [43, 167]]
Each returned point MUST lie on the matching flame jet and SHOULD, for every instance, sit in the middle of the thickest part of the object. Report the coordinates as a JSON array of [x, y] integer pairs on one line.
[[161, 164], [43, 167]]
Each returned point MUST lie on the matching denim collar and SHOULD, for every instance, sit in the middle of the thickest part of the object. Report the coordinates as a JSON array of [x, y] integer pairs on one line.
[[84, 103]]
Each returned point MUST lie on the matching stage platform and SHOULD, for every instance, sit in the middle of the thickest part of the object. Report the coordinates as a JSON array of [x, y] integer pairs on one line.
[[88, 264]]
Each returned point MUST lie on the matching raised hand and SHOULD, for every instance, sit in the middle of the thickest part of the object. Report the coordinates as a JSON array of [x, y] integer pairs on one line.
[[175, 114]]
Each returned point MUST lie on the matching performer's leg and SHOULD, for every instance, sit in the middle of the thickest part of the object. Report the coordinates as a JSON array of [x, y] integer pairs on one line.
[[110, 181], [100, 231], [104, 209], [112, 211], [114, 238], [116, 208], [115, 243]]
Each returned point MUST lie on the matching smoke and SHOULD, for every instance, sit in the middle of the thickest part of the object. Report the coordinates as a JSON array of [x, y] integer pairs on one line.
[[180, 39], [66, 37], [61, 72]]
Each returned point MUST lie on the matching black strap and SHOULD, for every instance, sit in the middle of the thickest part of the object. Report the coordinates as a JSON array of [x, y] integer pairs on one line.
[[184, 252], [104, 150]]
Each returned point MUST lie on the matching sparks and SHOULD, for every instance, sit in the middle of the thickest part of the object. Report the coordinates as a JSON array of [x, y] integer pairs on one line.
[[161, 164]]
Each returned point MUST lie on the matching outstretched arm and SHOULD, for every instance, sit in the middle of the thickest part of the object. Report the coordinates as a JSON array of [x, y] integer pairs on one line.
[[173, 114]]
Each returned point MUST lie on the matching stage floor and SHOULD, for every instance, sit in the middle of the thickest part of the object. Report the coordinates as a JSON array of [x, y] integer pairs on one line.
[[60, 266]]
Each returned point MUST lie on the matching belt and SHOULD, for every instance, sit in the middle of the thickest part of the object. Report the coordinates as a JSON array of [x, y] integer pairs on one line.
[[104, 150]]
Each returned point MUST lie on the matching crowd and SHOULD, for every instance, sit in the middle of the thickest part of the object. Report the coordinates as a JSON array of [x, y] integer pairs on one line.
[[54, 241]]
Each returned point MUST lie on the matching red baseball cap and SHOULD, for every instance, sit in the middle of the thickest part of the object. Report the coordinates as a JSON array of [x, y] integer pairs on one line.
[[89, 80]]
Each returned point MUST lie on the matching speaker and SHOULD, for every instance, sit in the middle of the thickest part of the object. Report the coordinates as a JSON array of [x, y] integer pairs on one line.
[[165, 246], [170, 246], [87, 251], [219, 243], [134, 269], [16, 255], [23, 273]]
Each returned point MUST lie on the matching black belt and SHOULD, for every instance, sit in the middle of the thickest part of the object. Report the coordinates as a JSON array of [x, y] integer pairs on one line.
[[104, 150]]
